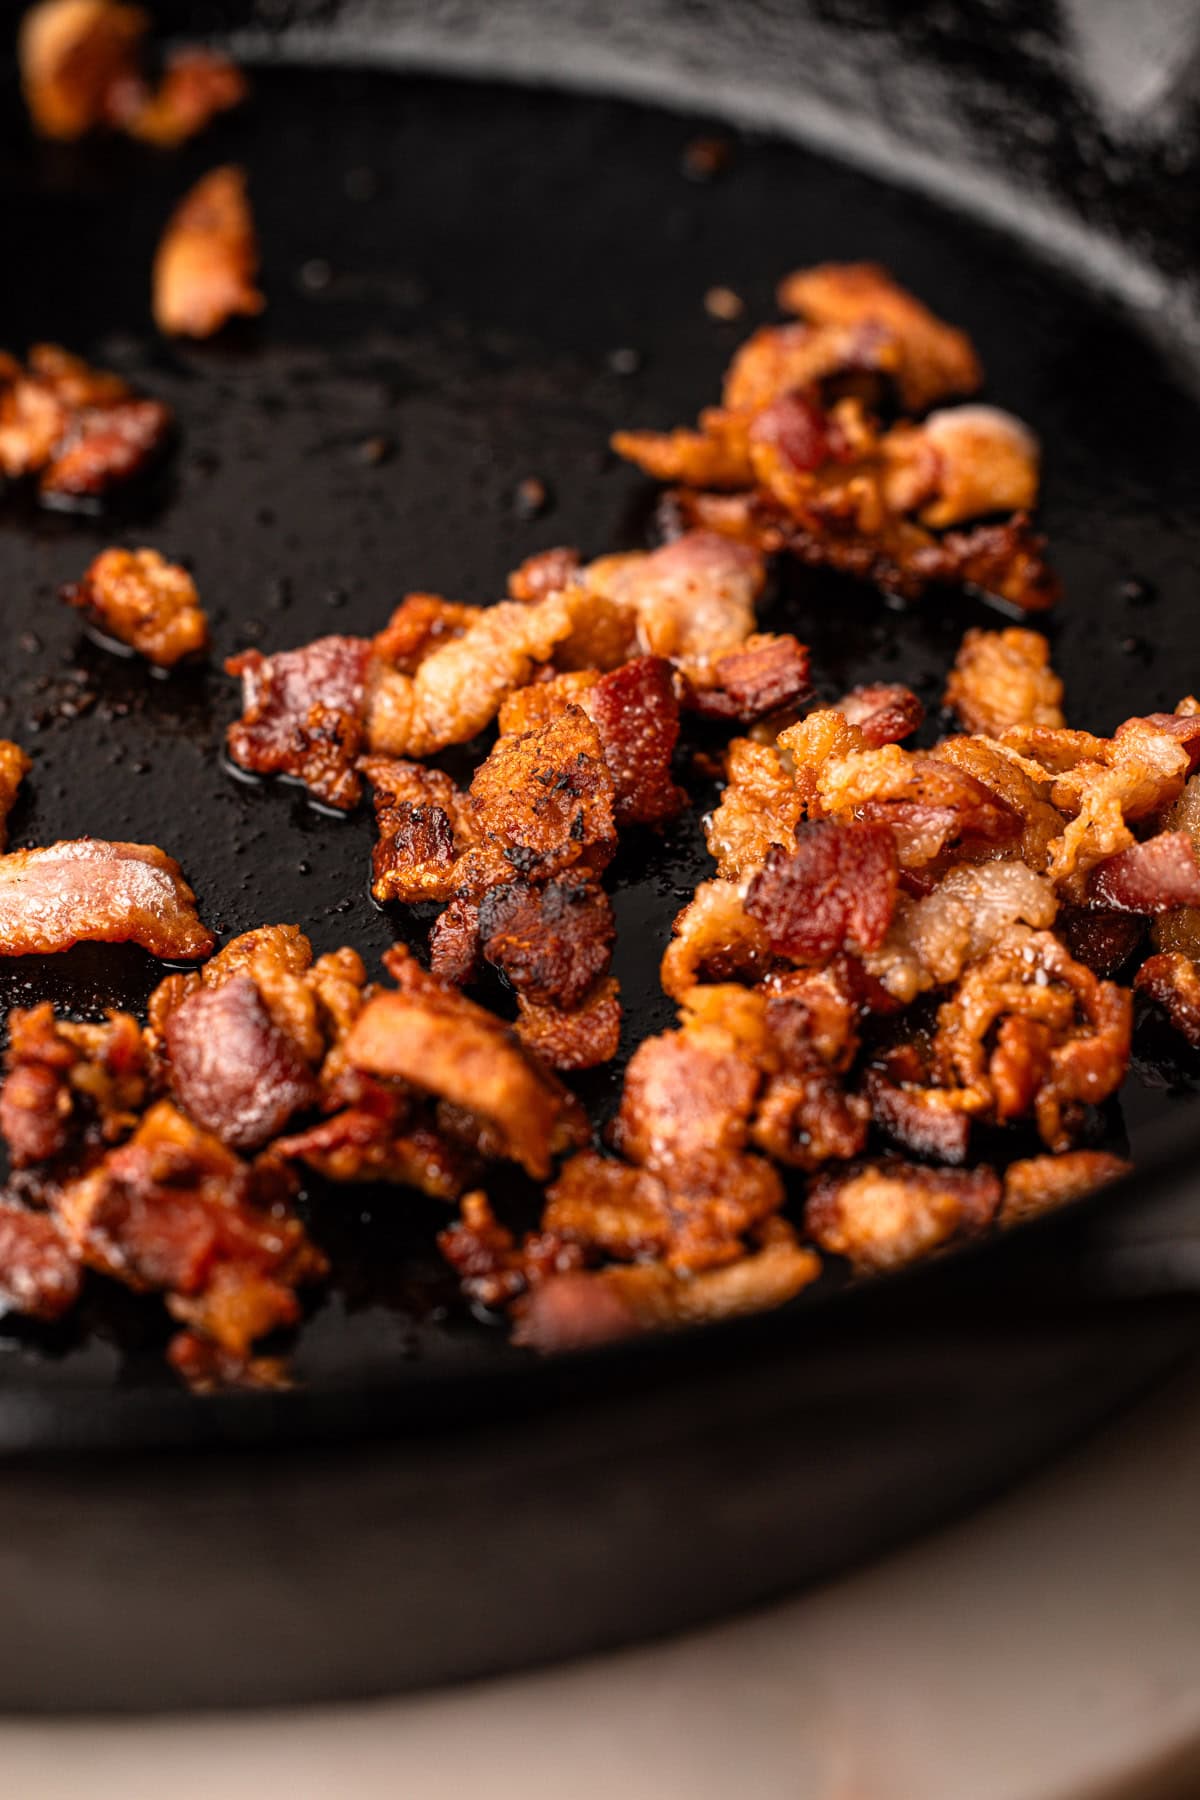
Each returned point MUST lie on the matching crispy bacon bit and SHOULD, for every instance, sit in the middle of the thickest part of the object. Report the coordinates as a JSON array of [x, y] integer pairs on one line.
[[14, 766], [577, 1310], [1028, 1029], [924, 1120], [103, 447], [581, 1037], [980, 460], [636, 714], [207, 260], [111, 893], [1153, 877], [79, 430], [68, 1085], [491, 1266], [1004, 678], [1171, 980], [77, 58], [769, 674], [430, 1036], [38, 1275], [1102, 940], [714, 939], [141, 600], [891, 1213], [546, 573], [836, 890], [935, 359], [933, 939], [452, 685], [197, 84], [884, 711], [761, 806], [174, 1211], [1042, 1183], [383, 1137], [303, 716], [552, 942], [692, 601], [928, 803], [81, 69], [232, 1069], [423, 822]]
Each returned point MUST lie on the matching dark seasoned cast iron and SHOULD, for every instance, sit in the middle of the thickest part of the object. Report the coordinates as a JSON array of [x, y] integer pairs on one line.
[[461, 272]]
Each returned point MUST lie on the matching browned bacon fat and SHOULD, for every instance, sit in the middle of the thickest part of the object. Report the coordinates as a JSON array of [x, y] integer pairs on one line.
[[144, 602], [113, 893]]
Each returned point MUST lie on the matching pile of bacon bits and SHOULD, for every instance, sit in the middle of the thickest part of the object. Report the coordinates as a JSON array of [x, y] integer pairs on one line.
[[900, 950]]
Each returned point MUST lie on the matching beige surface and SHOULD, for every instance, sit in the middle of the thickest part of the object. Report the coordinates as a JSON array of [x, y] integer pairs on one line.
[[1048, 1648]]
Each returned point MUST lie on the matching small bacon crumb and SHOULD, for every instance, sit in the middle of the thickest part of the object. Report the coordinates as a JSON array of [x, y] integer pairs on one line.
[[145, 602], [206, 263]]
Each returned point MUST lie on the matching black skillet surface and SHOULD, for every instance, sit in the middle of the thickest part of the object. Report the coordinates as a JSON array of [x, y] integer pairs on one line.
[[469, 286]]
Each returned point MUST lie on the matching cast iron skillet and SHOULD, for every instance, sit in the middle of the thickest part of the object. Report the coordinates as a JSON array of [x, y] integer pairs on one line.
[[489, 279]]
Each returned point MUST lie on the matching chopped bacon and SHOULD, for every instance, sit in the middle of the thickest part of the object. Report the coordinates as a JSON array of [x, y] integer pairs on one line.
[[197, 84], [967, 461], [441, 1043], [81, 69], [579, 1037], [884, 711], [173, 1210], [921, 1119], [891, 1213], [768, 674], [636, 714], [381, 1138], [207, 259], [1029, 1030], [1171, 980], [576, 1310], [934, 938], [303, 716], [935, 359], [87, 889], [761, 806], [837, 889], [1004, 678], [1100, 939], [491, 1266], [714, 939], [927, 803], [141, 600], [552, 942], [545, 573], [1041, 1183], [67, 1085], [232, 1069], [103, 447], [1153, 877], [79, 430], [14, 766], [423, 822], [692, 601], [38, 1274]]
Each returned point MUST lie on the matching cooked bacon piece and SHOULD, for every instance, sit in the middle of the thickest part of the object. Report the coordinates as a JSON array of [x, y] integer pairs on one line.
[[67, 1084], [836, 890], [935, 359], [692, 601], [104, 447], [715, 455], [539, 804], [38, 1274], [891, 1213], [14, 766], [804, 1115], [1015, 786], [110, 893], [761, 806], [424, 822], [928, 804], [382, 1137], [78, 429], [884, 711], [207, 259], [208, 1368], [552, 942], [544, 573], [433, 1038], [636, 714], [78, 59], [1153, 877], [924, 1120], [1100, 939], [1181, 930], [81, 69], [492, 1267], [1172, 981], [768, 674], [141, 600], [714, 939], [1042, 1183], [303, 716], [453, 685], [197, 84], [1184, 724], [232, 1069], [174, 1211], [1004, 678], [961, 463], [574, 1311], [1028, 1029], [933, 939], [1101, 784], [581, 1037]]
